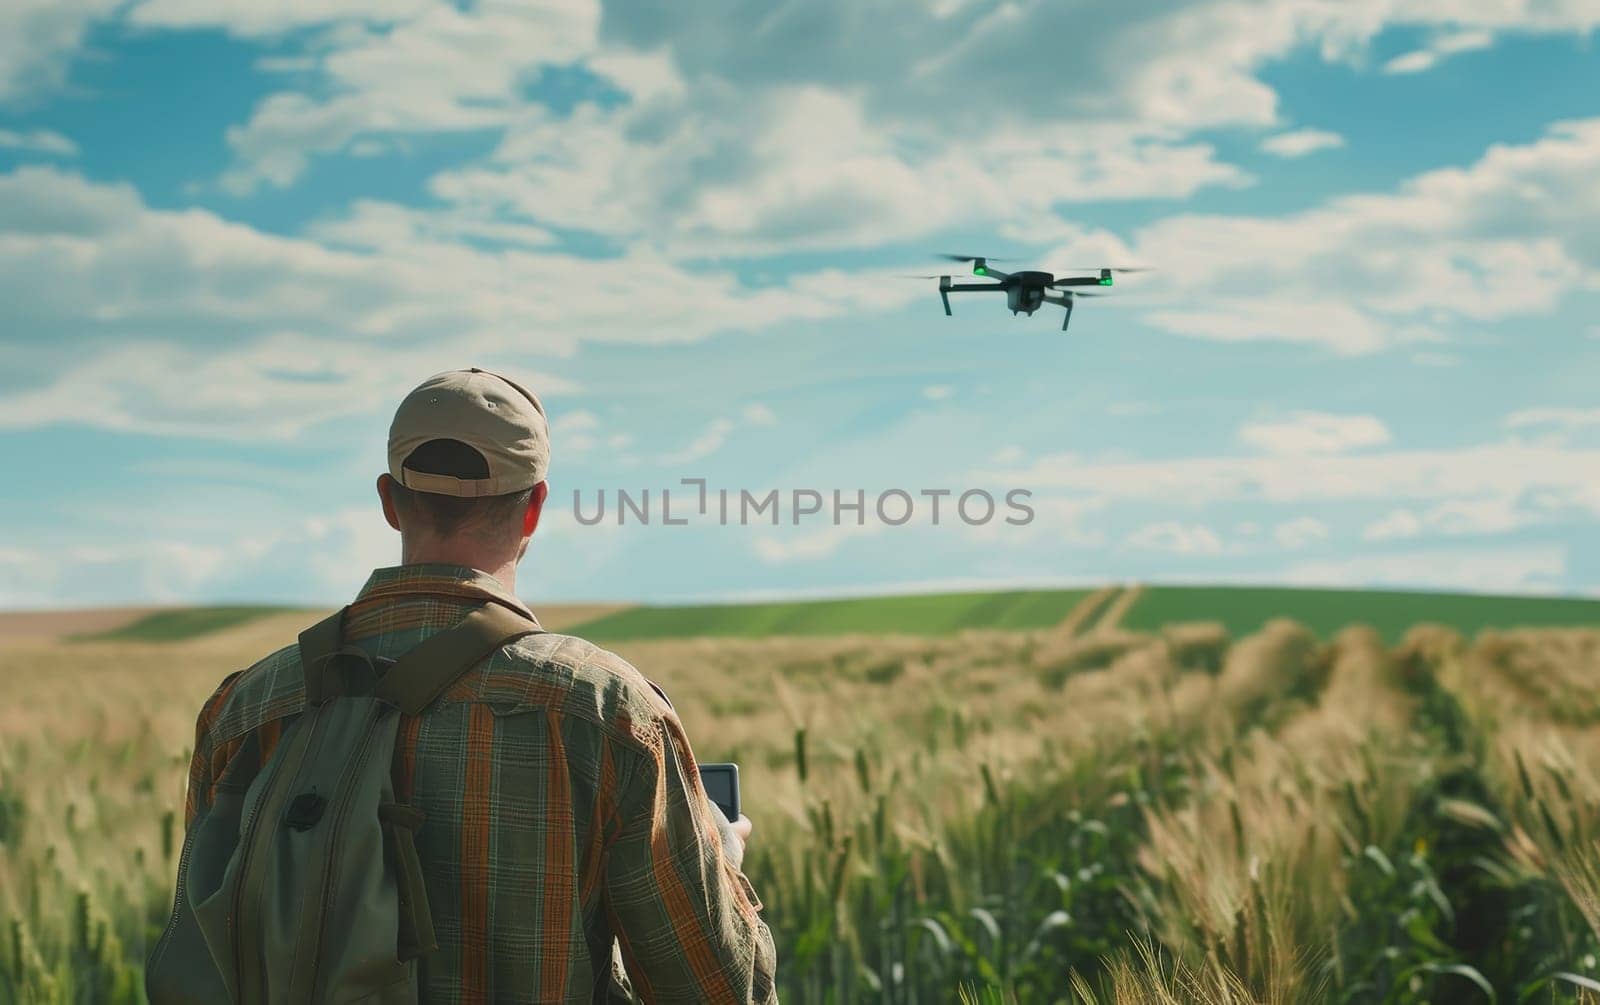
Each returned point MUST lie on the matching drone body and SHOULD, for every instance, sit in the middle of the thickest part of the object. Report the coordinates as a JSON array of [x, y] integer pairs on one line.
[[1025, 291]]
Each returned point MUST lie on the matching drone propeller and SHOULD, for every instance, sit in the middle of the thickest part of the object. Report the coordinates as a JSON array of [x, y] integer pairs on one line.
[[902, 275], [974, 258], [1073, 293], [1100, 268]]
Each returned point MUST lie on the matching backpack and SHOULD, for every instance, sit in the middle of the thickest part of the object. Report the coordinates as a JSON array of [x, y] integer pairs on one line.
[[301, 883]]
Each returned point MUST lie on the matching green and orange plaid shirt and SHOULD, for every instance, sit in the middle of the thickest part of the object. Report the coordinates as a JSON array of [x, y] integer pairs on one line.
[[564, 811]]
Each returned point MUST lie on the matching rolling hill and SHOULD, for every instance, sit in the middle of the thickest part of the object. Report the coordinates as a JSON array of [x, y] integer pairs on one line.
[[1240, 609]]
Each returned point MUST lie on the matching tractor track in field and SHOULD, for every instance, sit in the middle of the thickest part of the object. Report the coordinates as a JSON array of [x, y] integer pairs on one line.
[[1119, 608], [1084, 611]]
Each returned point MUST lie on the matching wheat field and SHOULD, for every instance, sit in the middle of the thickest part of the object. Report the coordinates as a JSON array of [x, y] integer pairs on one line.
[[1083, 813]]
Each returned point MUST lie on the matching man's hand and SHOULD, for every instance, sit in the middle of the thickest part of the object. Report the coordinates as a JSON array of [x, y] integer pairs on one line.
[[734, 835]]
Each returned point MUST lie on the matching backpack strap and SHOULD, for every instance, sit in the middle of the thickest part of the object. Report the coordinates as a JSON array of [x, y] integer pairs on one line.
[[318, 645], [424, 672]]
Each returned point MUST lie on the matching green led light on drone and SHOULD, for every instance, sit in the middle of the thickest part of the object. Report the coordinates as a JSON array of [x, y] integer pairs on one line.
[[979, 270], [1106, 281]]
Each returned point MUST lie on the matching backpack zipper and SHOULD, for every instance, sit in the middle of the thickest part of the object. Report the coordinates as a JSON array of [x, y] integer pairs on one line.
[[252, 837], [177, 900], [336, 825]]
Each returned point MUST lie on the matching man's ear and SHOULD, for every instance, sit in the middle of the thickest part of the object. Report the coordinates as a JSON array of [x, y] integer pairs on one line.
[[385, 481], [530, 516]]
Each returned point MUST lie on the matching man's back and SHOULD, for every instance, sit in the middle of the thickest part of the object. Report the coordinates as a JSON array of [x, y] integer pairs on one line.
[[562, 808]]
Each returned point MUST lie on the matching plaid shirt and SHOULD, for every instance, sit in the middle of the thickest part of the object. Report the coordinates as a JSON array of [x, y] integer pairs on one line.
[[565, 814]]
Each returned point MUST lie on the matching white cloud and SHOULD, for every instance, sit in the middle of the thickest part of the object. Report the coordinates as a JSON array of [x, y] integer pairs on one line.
[[1398, 524], [1301, 142], [273, 388], [1340, 326], [862, 142], [388, 67], [80, 574], [716, 433], [443, 70], [800, 168], [1504, 570], [1182, 539], [729, 145], [575, 431], [1491, 514], [39, 141], [382, 225], [344, 548], [857, 290], [1054, 522], [709, 441], [817, 544], [1316, 433], [812, 148], [1299, 533], [321, 559], [1183, 64], [315, 331], [38, 38], [937, 392], [1442, 46], [250, 18], [569, 422], [1565, 418], [1415, 61], [1508, 469], [1511, 234], [1075, 522]]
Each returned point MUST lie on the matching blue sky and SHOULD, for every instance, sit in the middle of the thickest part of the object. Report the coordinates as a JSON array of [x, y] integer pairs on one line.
[[233, 235]]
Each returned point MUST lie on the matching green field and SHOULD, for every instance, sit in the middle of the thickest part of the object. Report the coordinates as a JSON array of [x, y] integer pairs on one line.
[[1241, 609], [1245, 609], [182, 623], [1170, 817], [919, 614]]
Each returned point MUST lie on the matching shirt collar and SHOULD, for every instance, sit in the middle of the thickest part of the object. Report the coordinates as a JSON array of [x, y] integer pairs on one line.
[[439, 579]]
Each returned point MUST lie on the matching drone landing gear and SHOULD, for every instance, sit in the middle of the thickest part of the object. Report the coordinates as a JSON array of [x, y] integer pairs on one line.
[[1065, 302]]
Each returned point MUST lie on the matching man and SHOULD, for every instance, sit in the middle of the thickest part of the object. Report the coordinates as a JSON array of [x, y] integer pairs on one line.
[[564, 814]]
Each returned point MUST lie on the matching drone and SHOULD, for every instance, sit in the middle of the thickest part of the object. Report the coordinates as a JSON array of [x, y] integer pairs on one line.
[[1025, 291]]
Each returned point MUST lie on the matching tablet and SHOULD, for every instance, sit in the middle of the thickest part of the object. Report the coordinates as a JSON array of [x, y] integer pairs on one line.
[[721, 783]]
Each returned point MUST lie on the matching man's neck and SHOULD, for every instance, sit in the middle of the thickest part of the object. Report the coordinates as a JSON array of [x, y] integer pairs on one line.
[[501, 567]]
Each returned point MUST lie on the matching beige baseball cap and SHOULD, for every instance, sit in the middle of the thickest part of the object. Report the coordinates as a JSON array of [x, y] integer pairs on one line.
[[491, 413]]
